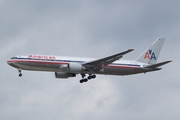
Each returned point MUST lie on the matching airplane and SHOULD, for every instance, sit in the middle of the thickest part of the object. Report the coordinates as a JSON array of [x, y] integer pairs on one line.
[[65, 67]]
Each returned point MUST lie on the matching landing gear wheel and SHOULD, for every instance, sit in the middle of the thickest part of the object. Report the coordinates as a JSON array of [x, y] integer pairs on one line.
[[93, 76], [89, 77], [19, 70], [20, 74], [85, 80], [81, 81]]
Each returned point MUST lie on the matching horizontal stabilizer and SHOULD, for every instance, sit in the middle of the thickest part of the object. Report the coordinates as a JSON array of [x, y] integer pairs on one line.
[[157, 64]]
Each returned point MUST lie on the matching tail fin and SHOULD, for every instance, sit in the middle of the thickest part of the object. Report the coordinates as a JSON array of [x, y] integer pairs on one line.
[[151, 55]]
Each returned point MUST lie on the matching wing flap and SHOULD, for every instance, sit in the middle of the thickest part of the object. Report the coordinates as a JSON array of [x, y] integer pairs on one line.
[[157, 64]]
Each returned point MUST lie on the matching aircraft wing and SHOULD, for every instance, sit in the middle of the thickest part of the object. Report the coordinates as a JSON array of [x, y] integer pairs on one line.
[[157, 64], [107, 60]]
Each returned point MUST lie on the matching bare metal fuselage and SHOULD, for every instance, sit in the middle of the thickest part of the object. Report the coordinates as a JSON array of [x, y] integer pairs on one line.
[[65, 67], [116, 68]]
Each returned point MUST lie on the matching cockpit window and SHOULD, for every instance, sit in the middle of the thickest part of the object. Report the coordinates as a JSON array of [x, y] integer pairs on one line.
[[14, 58]]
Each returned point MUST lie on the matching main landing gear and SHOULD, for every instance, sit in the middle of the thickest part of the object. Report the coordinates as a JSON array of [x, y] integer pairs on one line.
[[20, 74], [86, 79]]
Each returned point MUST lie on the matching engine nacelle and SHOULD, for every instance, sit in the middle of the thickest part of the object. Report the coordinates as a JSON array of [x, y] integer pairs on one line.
[[72, 67], [75, 67], [64, 75]]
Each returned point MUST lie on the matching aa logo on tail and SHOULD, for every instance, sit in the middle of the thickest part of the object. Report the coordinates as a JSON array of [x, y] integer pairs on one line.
[[150, 55]]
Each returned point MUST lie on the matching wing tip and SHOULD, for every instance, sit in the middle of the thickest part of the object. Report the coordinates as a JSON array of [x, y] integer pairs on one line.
[[170, 61], [130, 49]]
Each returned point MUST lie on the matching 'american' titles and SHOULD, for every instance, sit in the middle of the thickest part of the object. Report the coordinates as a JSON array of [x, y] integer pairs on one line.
[[42, 57]]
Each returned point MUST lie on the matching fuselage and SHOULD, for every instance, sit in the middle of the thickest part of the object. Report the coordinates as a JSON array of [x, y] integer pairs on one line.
[[52, 63], [65, 67]]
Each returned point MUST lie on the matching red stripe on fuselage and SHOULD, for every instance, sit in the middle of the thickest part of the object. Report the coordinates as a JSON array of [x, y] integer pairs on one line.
[[109, 66], [55, 62], [36, 61]]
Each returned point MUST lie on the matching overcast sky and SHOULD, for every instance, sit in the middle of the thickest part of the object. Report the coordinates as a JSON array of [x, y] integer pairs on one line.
[[89, 28]]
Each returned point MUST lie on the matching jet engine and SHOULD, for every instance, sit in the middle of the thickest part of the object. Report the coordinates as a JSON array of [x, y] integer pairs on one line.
[[72, 67], [64, 75]]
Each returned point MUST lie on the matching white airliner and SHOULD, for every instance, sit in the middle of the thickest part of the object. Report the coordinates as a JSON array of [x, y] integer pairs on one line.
[[65, 67]]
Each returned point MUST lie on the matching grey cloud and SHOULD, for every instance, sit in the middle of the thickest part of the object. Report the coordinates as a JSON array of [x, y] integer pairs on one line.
[[91, 29]]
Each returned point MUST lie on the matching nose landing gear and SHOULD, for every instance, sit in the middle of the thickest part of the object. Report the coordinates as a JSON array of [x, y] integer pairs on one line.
[[20, 74]]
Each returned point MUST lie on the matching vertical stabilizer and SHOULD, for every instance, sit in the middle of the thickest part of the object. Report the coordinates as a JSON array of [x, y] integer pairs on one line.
[[151, 55]]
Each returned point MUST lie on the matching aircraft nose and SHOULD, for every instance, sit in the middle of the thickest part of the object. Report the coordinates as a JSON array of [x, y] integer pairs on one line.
[[8, 62]]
